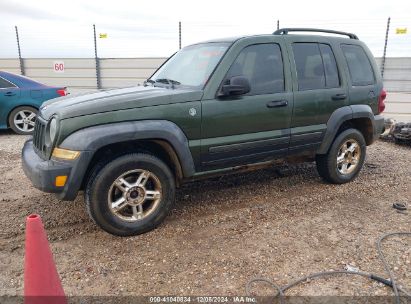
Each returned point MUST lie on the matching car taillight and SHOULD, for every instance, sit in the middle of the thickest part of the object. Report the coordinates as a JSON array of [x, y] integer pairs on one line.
[[62, 92], [381, 103]]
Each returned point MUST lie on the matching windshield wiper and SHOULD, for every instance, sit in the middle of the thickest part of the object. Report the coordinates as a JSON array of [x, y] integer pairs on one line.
[[148, 81], [168, 81]]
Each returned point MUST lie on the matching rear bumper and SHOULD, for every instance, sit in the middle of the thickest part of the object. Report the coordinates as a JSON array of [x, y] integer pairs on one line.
[[42, 173], [378, 126]]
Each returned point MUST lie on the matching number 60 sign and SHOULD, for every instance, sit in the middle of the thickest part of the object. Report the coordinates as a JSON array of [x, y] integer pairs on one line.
[[58, 66]]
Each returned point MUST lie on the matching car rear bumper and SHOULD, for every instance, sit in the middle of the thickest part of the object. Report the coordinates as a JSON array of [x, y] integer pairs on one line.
[[42, 173], [378, 126]]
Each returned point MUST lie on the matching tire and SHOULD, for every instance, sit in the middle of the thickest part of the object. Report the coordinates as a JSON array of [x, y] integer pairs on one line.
[[26, 116], [400, 141], [350, 163], [125, 208]]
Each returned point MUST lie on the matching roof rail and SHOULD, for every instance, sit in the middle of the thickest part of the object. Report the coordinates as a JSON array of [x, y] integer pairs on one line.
[[285, 31]]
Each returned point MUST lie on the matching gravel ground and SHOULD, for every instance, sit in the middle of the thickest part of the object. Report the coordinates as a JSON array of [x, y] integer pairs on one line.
[[280, 223]]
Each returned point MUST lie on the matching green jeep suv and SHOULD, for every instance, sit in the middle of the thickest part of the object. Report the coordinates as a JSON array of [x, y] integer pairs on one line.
[[214, 107]]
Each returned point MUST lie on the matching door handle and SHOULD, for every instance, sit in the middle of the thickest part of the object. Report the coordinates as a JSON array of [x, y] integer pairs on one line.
[[339, 96], [277, 103], [9, 94]]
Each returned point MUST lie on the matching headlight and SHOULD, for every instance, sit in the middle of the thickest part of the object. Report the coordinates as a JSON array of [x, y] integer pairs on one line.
[[53, 129], [51, 133]]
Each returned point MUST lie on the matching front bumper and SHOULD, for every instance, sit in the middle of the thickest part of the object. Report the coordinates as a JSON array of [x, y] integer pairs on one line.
[[42, 173]]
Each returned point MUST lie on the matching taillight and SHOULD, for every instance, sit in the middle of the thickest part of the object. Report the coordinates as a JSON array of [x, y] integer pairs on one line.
[[381, 103], [62, 92]]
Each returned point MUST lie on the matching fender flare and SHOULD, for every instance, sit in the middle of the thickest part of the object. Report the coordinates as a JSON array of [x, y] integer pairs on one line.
[[341, 115], [93, 138]]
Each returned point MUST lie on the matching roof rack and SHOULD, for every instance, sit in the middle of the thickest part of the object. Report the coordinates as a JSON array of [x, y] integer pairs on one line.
[[285, 31]]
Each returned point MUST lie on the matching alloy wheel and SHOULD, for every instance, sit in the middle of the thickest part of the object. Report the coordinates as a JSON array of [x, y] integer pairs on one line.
[[134, 195]]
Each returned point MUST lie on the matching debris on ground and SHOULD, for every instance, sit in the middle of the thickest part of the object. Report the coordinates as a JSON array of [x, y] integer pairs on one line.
[[400, 132]]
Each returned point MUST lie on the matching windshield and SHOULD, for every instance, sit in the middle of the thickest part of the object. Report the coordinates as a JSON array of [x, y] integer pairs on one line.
[[191, 66]]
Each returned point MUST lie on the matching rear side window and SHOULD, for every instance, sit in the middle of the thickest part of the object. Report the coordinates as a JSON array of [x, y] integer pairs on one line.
[[262, 64], [316, 66], [5, 84], [359, 65], [330, 66]]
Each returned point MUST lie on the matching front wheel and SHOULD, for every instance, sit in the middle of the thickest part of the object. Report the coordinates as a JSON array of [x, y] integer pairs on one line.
[[22, 119], [345, 158], [131, 194]]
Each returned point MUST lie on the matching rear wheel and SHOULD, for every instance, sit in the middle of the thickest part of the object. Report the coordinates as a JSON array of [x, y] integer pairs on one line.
[[131, 194], [345, 158], [21, 120]]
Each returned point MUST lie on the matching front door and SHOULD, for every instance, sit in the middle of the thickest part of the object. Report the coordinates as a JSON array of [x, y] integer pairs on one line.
[[254, 127]]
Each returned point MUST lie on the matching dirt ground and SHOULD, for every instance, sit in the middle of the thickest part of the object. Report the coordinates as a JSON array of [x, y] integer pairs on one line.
[[280, 223]]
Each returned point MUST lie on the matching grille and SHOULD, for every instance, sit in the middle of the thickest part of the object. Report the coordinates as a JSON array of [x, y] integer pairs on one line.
[[39, 137]]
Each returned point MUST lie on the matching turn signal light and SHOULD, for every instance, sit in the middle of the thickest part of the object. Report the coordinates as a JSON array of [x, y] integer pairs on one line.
[[65, 154], [61, 180]]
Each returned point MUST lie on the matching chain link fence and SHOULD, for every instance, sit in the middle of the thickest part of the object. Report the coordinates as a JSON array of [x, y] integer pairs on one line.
[[48, 40], [121, 55]]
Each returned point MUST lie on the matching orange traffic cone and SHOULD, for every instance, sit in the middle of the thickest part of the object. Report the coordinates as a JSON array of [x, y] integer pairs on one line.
[[41, 280]]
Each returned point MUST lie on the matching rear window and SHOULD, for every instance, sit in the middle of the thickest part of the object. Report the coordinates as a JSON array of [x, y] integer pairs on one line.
[[359, 65], [5, 84]]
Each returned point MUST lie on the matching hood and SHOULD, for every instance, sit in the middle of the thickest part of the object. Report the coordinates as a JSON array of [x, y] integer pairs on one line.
[[113, 100]]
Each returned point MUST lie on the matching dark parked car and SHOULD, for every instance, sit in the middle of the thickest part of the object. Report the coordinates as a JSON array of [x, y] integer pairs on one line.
[[20, 99], [213, 108]]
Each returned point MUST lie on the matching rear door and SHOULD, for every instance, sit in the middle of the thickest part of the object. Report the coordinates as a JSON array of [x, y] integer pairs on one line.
[[253, 127], [319, 89]]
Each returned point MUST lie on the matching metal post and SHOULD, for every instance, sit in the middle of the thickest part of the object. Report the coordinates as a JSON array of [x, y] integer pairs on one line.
[[278, 24], [22, 71], [385, 47], [97, 59], [179, 35]]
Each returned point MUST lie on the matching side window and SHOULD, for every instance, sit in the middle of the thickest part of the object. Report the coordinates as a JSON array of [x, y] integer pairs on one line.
[[5, 84], [332, 80], [262, 64], [316, 66], [310, 68], [359, 65]]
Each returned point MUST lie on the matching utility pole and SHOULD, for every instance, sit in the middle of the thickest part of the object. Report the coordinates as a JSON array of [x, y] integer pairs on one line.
[[385, 47], [278, 24], [98, 78], [22, 71], [179, 35]]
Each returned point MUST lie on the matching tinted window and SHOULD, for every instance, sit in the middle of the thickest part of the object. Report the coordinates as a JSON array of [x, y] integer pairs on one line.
[[358, 64], [5, 84], [262, 64], [316, 66], [310, 69], [332, 79]]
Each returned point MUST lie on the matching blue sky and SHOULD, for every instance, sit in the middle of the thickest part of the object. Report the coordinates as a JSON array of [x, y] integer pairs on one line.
[[59, 29]]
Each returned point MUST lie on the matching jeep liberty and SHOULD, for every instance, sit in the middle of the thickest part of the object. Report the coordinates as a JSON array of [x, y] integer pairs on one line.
[[214, 107]]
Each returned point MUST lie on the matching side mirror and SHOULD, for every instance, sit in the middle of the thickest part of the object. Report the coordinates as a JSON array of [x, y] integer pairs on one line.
[[239, 85]]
